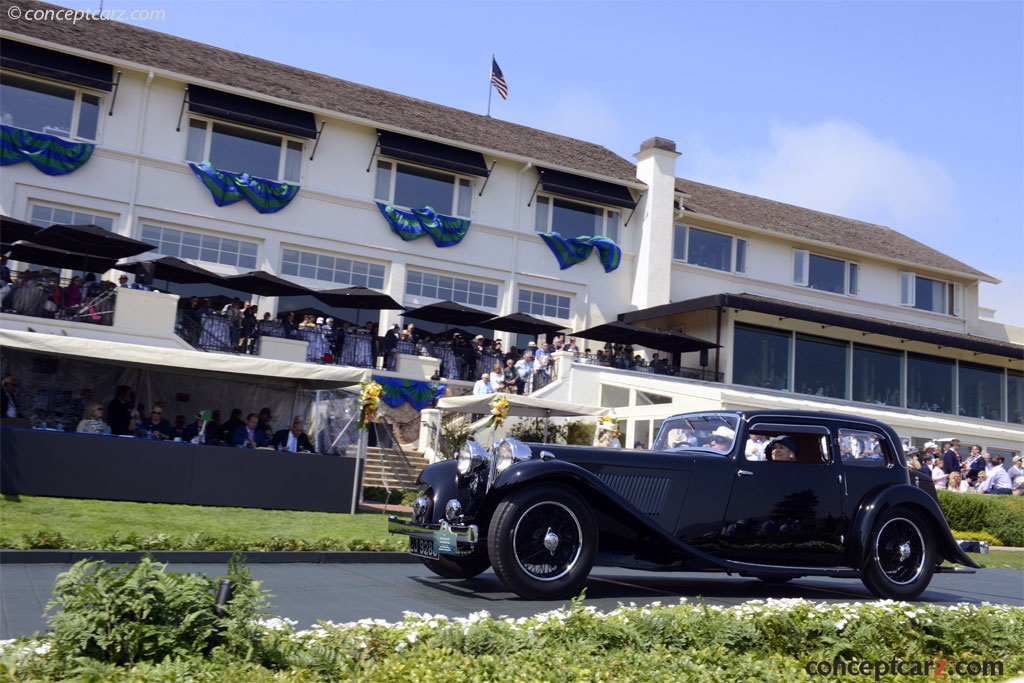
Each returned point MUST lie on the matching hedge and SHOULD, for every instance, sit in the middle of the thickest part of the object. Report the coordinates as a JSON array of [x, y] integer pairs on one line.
[[1001, 516]]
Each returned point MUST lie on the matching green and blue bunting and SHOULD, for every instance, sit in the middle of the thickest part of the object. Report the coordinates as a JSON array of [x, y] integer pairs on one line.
[[396, 391], [266, 196], [410, 225], [48, 153], [571, 251]]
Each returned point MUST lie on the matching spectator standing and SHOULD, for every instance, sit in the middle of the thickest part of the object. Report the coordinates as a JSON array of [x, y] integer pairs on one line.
[[11, 385], [976, 462], [510, 377], [121, 411], [951, 457], [525, 367]]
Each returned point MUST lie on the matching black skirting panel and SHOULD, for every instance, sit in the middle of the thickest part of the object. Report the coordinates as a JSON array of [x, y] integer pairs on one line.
[[67, 465]]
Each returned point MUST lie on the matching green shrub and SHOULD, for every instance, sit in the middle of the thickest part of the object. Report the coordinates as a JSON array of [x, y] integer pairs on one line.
[[454, 435], [538, 430], [125, 614], [1001, 516], [976, 536], [580, 433], [45, 540]]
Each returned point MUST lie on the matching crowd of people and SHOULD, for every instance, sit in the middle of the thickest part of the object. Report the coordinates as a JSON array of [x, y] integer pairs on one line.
[[123, 416], [41, 294], [979, 472]]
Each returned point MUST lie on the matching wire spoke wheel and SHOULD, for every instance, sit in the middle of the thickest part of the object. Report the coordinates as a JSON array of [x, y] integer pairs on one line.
[[547, 540], [902, 556], [542, 542]]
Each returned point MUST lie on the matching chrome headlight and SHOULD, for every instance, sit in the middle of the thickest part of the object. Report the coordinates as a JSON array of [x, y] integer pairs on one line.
[[472, 457], [508, 452]]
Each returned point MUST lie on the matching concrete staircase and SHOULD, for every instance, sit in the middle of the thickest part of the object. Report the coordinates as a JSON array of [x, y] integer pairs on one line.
[[394, 469]]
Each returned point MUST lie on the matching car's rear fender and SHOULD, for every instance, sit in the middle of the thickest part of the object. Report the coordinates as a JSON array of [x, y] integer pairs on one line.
[[878, 502]]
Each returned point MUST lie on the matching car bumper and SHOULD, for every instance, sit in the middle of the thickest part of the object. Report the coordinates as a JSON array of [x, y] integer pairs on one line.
[[464, 534]]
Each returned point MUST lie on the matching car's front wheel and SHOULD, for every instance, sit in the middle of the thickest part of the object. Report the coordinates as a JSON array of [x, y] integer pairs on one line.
[[901, 556], [542, 542]]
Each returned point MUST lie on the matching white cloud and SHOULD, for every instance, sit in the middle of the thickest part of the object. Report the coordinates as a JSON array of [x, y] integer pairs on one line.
[[841, 168]]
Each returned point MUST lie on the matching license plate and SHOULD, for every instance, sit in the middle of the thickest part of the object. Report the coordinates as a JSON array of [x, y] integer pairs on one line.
[[422, 548]]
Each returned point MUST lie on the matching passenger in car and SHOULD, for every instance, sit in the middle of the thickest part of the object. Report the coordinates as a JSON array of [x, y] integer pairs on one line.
[[782, 449]]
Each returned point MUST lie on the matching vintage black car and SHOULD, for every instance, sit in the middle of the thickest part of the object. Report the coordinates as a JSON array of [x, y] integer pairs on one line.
[[769, 494]]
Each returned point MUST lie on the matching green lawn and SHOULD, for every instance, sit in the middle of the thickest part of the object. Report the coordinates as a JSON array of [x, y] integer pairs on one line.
[[91, 524]]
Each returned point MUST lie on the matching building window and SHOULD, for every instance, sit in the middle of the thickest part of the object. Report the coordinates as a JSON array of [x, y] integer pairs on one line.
[[824, 273], [445, 287], [201, 247], [980, 391], [416, 187], [709, 249], [44, 216], [50, 108], [574, 219], [930, 383], [334, 269], [877, 376], [1014, 396], [926, 294], [544, 304], [761, 357], [244, 150], [820, 366]]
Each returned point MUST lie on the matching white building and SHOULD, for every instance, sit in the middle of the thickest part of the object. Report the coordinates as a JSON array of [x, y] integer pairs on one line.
[[808, 309]]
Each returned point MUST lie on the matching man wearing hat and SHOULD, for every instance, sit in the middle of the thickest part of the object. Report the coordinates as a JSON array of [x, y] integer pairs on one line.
[[722, 438]]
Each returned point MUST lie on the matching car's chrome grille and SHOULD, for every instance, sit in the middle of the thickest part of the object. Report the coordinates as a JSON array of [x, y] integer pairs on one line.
[[648, 494]]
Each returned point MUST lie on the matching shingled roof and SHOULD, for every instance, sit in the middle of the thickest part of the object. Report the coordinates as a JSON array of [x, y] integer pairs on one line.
[[191, 60], [807, 224]]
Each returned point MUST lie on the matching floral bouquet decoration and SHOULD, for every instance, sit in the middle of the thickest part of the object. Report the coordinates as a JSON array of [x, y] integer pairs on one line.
[[369, 399], [499, 411]]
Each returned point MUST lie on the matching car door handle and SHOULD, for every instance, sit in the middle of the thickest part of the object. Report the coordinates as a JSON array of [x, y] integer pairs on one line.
[[744, 473]]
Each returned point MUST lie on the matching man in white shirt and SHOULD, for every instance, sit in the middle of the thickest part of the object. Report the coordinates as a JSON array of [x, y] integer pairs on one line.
[[997, 480], [483, 385], [293, 440]]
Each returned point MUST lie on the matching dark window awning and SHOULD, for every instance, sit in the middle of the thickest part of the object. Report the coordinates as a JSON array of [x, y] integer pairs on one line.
[[39, 61], [432, 153], [829, 318], [250, 112], [587, 189]]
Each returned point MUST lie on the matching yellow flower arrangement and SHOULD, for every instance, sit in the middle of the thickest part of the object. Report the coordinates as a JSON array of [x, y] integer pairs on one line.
[[499, 411], [369, 398]]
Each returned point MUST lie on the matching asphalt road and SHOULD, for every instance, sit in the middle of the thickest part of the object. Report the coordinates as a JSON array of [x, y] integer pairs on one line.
[[343, 592]]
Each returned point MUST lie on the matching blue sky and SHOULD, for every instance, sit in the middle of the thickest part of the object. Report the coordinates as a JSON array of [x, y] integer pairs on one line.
[[906, 114]]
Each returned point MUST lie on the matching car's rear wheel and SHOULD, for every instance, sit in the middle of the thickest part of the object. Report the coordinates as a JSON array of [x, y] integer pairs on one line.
[[459, 567], [901, 556], [542, 542]]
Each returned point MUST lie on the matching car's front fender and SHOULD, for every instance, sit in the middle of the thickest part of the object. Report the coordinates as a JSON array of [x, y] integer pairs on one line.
[[878, 503]]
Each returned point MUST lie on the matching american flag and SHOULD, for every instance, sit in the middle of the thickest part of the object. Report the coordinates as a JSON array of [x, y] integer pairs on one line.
[[498, 79]]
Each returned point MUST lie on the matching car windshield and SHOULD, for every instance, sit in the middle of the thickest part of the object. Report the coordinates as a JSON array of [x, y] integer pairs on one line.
[[703, 431]]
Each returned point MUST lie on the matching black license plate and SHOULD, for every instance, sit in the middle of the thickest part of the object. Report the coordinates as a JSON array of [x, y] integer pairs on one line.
[[422, 547]]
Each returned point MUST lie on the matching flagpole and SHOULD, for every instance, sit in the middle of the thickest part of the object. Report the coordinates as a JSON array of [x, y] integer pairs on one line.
[[490, 86]]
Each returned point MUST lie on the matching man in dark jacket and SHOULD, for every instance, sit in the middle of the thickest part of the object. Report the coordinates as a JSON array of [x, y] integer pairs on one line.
[[951, 457], [294, 439], [120, 411]]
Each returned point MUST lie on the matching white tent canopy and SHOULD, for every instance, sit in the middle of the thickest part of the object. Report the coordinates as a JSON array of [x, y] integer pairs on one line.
[[519, 406], [184, 361]]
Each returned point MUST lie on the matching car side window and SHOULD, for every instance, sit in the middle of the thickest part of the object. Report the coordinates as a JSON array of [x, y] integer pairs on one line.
[[788, 447], [863, 448]]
